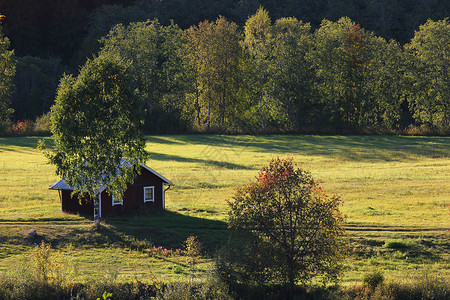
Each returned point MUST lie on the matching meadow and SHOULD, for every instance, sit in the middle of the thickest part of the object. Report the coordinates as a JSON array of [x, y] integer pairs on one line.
[[396, 192]]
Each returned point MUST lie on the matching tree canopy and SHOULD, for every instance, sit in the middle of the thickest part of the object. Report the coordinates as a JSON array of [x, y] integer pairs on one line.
[[213, 57], [429, 72], [292, 230], [96, 122], [156, 67], [270, 75]]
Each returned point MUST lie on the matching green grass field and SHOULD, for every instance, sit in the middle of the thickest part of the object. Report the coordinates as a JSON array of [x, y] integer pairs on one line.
[[395, 189]]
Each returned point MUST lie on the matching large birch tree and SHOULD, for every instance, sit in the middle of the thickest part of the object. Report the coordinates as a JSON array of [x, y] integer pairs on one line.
[[96, 122]]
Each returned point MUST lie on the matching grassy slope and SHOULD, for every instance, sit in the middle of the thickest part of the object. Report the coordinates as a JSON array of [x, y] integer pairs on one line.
[[393, 187]]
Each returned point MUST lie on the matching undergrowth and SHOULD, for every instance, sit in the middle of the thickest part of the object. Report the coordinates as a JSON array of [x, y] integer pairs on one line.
[[48, 275]]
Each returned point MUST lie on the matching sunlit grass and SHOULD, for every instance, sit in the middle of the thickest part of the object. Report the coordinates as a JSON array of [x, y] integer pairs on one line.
[[394, 186]]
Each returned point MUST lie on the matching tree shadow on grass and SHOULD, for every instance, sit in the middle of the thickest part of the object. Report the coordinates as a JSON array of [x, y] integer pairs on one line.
[[30, 142], [353, 148], [208, 162], [170, 229], [139, 231]]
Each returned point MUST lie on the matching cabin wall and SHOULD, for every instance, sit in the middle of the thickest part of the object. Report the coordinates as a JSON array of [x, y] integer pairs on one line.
[[74, 205], [108, 209], [133, 198], [146, 179]]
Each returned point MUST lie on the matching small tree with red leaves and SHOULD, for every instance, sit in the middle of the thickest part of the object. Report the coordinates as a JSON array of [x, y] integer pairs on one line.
[[293, 221]]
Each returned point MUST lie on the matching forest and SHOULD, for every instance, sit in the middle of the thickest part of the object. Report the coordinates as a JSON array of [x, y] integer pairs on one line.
[[238, 66]]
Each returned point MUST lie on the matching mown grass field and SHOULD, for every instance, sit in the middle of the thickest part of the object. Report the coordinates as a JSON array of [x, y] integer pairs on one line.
[[395, 188]]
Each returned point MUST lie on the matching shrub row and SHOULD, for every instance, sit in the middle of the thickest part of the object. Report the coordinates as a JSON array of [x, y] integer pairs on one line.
[[27, 286], [28, 128]]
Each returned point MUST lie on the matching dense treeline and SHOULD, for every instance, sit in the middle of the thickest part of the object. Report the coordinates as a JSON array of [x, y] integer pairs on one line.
[[57, 28], [281, 75]]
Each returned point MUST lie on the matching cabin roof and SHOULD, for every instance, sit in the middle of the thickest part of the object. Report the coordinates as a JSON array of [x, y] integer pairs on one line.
[[62, 185]]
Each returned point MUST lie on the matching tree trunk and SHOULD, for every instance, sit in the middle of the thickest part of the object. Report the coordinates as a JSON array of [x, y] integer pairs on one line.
[[97, 208], [291, 271], [197, 108], [207, 121], [431, 118], [260, 111]]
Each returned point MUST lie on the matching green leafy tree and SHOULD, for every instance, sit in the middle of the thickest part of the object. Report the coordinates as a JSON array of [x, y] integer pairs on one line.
[[293, 230], [293, 74], [429, 73], [258, 46], [96, 122], [357, 62], [157, 68], [330, 58], [194, 56], [386, 84], [214, 57], [359, 76], [7, 71]]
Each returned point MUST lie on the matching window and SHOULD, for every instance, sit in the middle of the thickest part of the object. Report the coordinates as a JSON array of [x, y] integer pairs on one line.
[[117, 201], [149, 193]]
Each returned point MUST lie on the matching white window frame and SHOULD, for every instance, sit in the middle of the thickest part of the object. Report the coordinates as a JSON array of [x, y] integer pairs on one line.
[[153, 193], [116, 203]]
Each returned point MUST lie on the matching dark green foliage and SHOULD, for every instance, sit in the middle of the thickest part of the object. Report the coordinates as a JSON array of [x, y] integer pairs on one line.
[[36, 81], [358, 75], [293, 82], [156, 69], [245, 262], [41, 27]]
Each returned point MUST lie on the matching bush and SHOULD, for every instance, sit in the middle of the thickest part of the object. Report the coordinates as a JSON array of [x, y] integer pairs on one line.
[[43, 124], [181, 290], [43, 264], [47, 276], [397, 244], [421, 130], [22, 128], [21, 283], [421, 286], [372, 280]]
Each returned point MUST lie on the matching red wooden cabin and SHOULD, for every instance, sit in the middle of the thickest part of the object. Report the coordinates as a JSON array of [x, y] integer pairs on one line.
[[146, 192]]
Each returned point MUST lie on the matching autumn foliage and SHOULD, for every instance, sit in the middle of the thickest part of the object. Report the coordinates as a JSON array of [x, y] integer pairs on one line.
[[295, 228], [355, 43]]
